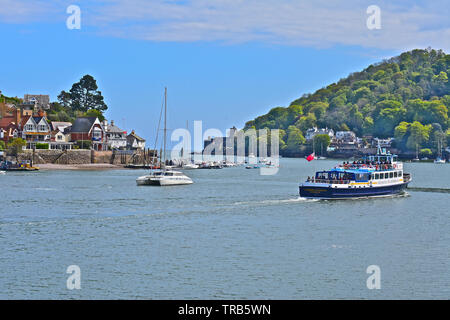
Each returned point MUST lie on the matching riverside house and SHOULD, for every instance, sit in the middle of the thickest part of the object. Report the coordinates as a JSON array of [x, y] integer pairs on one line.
[[312, 132], [116, 138], [135, 142], [10, 118], [35, 129], [89, 128]]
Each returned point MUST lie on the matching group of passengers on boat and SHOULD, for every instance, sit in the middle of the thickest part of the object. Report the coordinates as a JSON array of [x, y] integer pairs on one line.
[[369, 164]]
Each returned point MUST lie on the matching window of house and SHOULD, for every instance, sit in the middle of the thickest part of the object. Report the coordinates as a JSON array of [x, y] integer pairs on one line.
[[391, 175], [42, 127], [29, 127], [60, 137], [395, 174], [97, 133]]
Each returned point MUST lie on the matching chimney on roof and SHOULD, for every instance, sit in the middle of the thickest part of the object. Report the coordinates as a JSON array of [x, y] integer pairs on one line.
[[17, 115], [112, 122], [41, 113], [132, 131]]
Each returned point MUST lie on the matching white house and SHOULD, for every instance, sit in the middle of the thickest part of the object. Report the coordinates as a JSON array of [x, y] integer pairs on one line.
[[312, 132], [116, 138], [346, 136], [135, 142], [61, 139], [35, 130]]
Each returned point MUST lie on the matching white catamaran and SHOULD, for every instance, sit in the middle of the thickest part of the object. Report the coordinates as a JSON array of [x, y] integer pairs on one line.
[[164, 177]]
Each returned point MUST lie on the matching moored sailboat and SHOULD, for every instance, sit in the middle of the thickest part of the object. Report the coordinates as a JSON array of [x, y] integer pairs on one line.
[[164, 176]]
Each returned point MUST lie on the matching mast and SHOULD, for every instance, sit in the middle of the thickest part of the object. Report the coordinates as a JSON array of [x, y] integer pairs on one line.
[[165, 124]]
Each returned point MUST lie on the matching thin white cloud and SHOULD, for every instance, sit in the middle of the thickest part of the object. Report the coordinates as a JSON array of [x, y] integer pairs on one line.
[[318, 23], [24, 11]]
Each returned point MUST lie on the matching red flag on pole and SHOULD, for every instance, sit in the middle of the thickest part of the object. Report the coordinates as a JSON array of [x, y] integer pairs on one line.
[[310, 157]]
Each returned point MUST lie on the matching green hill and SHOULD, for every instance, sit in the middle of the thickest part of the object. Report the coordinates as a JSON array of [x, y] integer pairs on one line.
[[407, 96]]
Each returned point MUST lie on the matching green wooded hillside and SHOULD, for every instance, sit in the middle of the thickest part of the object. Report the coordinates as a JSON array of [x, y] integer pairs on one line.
[[406, 96]]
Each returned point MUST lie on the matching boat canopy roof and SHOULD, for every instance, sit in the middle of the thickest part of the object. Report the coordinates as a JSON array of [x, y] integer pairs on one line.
[[359, 170]]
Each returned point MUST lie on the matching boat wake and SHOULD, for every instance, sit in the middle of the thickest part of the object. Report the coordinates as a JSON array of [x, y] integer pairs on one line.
[[276, 201], [308, 200]]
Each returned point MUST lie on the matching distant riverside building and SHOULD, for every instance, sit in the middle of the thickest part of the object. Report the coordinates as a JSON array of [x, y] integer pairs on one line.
[[216, 143], [89, 128], [116, 138], [312, 132], [35, 129], [41, 101], [135, 142], [346, 136]]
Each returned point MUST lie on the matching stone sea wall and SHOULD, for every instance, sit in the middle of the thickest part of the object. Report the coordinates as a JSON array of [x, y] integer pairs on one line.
[[79, 157]]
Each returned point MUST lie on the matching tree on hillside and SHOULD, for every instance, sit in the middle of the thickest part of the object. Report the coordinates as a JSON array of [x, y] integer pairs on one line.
[[83, 96], [321, 142], [295, 139], [411, 87], [419, 134]]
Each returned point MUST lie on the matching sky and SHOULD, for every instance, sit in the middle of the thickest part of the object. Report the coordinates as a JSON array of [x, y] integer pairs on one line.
[[224, 62]]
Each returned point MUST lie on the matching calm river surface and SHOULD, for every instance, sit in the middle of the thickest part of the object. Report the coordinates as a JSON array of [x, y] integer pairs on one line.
[[233, 234]]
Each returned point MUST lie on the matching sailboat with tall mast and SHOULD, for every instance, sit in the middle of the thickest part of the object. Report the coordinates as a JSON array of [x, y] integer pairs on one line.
[[439, 159], [164, 176]]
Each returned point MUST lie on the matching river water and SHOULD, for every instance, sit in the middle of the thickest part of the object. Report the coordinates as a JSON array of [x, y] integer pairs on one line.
[[233, 234]]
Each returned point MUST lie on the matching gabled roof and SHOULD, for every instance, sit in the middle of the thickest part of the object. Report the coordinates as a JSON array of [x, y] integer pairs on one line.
[[57, 124], [24, 121], [37, 119], [83, 124], [114, 129], [67, 130], [7, 121], [134, 135]]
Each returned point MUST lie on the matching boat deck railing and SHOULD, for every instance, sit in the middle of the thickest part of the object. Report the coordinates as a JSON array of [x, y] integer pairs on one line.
[[328, 181], [375, 167]]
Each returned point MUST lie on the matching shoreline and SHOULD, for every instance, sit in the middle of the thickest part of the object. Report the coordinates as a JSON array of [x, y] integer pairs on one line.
[[87, 167]]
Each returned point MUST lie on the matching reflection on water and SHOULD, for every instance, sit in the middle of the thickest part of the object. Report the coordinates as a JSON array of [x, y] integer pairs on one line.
[[232, 234]]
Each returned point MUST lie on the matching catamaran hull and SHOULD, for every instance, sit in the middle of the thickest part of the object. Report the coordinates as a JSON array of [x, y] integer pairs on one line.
[[316, 192], [161, 182]]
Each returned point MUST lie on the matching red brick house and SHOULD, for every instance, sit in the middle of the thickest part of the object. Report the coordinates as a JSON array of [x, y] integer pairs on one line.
[[10, 126], [89, 128]]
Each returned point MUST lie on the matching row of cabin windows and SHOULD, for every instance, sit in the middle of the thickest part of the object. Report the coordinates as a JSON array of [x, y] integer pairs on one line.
[[387, 175]]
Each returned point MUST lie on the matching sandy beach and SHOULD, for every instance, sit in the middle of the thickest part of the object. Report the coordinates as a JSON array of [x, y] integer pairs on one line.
[[90, 166]]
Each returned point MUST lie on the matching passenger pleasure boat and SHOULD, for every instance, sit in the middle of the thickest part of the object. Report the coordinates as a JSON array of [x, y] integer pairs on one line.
[[375, 175]]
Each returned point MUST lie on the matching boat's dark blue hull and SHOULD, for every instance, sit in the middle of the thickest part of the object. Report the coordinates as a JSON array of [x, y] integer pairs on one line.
[[345, 193]]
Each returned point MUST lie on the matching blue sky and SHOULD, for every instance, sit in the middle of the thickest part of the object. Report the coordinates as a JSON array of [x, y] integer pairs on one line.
[[224, 62]]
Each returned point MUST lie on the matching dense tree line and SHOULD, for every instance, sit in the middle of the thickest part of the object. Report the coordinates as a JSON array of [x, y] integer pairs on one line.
[[406, 97]]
